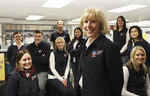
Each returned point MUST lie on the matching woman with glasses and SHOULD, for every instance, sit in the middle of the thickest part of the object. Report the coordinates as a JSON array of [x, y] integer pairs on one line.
[[14, 48]]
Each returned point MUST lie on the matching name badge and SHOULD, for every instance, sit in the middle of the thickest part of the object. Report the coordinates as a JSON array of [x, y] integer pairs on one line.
[[122, 34], [95, 53], [65, 55], [40, 51], [78, 46]]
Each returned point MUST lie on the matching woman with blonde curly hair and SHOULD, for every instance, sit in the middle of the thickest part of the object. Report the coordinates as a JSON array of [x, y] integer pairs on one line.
[[100, 67]]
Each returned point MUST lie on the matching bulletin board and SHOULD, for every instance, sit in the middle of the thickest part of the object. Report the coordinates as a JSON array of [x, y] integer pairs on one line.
[[2, 67]]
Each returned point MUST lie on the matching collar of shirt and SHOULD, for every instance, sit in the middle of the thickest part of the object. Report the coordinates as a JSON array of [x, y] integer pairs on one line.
[[27, 74], [40, 44], [88, 43], [17, 45], [75, 44], [132, 43], [60, 33]]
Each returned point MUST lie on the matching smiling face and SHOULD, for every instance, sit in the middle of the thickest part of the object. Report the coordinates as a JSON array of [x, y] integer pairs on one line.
[[26, 61], [91, 26], [120, 22], [139, 57], [60, 44], [134, 33], [38, 38], [77, 33], [17, 38]]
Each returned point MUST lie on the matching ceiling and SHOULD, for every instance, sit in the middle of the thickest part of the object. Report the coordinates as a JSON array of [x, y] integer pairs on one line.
[[11, 10]]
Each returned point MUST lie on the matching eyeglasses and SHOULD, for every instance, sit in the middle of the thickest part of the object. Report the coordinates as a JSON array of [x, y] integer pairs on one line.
[[17, 36]]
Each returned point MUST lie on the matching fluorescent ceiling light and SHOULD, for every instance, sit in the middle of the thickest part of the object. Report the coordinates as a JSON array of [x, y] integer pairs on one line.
[[145, 22], [132, 23], [140, 23], [74, 23], [77, 20], [34, 17], [57, 3], [127, 8], [114, 21]]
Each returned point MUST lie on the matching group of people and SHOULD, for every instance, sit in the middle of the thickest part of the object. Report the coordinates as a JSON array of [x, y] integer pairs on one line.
[[135, 56], [20, 77], [127, 39], [48, 65], [100, 67]]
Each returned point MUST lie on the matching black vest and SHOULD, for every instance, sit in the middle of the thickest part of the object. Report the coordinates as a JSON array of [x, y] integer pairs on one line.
[[120, 37], [61, 59], [136, 82]]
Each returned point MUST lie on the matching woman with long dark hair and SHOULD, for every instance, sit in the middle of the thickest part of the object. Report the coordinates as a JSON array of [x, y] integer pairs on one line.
[[136, 39], [121, 36], [74, 49]]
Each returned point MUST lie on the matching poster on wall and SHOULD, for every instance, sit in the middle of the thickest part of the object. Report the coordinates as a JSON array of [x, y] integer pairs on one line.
[[2, 67], [145, 36], [148, 38], [29, 40]]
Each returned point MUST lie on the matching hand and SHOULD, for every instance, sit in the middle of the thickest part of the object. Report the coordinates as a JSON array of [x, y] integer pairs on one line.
[[64, 82], [120, 52], [43, 55], [72, 50]]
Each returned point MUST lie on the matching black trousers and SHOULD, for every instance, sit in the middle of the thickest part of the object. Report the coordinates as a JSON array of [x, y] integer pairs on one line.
[[74, 67], [64, 91]]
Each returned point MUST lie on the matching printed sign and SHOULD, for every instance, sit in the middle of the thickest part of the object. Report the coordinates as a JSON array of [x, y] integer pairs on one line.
[[2, 67]]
